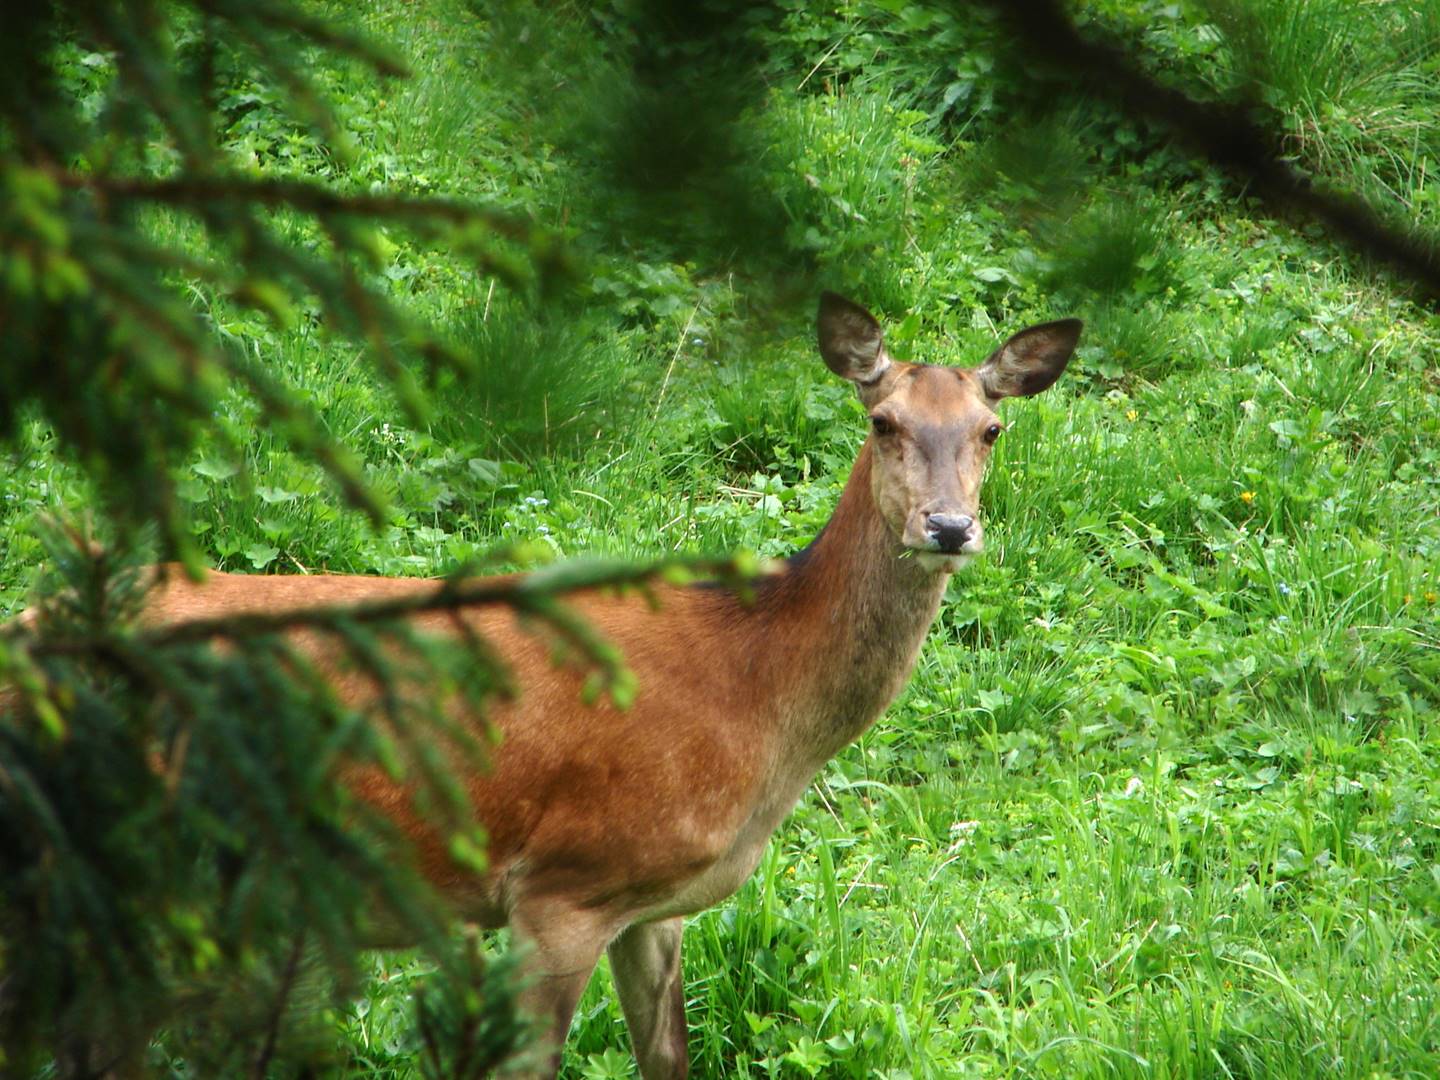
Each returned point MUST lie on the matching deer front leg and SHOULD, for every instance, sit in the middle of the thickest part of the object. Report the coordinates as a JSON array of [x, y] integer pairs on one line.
[[562, 949], [645, 963]]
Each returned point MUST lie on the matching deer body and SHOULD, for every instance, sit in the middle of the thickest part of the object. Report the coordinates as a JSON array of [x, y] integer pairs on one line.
[[607, 826]]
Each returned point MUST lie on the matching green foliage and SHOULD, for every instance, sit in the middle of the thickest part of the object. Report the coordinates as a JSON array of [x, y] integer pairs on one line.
[[542, 381], [849, 171], [1160, 799], [764, 420], [185, 856], [1118, 246], [115, 95], [466, 1038], [941, 59], [1352, 86]]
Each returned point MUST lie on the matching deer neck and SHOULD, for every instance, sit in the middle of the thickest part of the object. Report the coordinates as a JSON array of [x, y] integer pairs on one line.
[[844, 622]]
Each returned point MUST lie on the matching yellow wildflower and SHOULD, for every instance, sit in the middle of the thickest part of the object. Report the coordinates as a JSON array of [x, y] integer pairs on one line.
[[1247, 497], [1131, 415]]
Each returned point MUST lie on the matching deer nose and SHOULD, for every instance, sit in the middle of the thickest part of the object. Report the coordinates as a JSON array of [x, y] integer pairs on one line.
[[949, 531]]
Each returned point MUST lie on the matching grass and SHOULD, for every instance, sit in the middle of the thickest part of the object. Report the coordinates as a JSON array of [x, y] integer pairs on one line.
[[1162, 797], [544, 383]]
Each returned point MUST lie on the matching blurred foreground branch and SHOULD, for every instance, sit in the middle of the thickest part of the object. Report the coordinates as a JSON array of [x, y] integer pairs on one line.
[[173, 801], [179, 817], [534, 592], [1226, 134], [127, 217]]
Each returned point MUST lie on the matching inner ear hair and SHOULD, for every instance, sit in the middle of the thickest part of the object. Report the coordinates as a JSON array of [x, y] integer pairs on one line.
[[1031, 360], [850, 340]]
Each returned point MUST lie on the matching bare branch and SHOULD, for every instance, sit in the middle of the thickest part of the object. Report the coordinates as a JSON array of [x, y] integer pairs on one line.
[[1225, 134]]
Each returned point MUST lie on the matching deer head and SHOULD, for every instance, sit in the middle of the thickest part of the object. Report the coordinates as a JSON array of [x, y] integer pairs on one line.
[[932, 427]]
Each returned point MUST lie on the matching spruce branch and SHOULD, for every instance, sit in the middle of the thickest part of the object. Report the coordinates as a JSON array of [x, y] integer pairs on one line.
[[215, 760], [280, 16], [533, 593], [306, 196]]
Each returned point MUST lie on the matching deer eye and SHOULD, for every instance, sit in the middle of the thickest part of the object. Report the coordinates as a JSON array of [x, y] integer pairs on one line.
[[882, 425], [992, 433]]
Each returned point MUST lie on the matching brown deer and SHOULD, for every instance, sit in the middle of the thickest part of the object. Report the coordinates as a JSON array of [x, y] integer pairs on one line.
[[608, 826]]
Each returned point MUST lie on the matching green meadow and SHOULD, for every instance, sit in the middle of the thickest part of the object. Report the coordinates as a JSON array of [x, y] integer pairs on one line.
[[1162, 798]]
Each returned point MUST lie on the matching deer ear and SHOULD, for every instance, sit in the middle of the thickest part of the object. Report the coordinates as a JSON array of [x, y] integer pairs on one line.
[[1031, 360], [850, 340]]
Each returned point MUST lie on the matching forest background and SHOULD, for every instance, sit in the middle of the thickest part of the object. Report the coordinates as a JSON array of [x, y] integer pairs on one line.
[[1162, 798]]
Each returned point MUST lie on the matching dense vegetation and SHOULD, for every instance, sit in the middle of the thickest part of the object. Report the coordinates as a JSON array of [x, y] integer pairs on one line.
[[1163, 798]]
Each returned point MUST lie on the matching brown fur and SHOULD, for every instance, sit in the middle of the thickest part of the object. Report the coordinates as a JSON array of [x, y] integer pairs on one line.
[[607, 825]]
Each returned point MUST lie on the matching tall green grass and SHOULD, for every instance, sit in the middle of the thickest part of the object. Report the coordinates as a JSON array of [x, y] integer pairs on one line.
[[1355, 83], [544, 381]]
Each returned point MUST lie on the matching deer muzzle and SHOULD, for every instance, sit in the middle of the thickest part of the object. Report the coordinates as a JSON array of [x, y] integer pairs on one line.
[[952, 534]]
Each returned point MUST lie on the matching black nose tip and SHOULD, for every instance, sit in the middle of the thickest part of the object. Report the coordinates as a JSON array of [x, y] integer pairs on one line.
[[949, 531]]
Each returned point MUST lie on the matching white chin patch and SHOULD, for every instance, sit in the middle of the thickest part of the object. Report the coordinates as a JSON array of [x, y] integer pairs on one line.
[[937, 563]]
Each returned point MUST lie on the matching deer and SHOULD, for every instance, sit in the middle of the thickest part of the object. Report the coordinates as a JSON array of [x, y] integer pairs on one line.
[[608, 826]]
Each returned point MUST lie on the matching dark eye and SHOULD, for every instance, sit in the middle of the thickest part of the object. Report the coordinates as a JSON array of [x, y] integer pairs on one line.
[[882, 425], [992, 433]]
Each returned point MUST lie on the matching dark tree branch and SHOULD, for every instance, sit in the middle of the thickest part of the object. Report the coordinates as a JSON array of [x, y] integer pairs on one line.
[[1226, 134], [277, 1012], [284, 17]]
